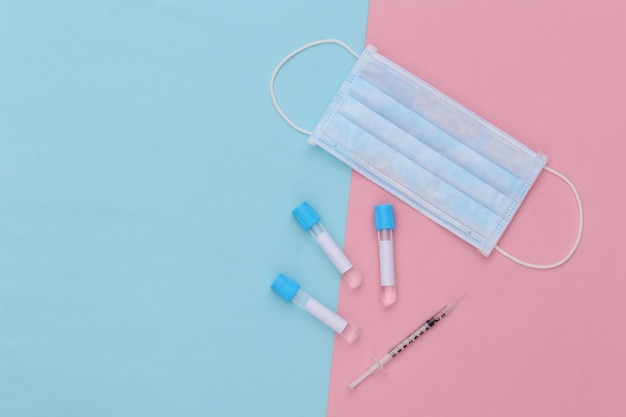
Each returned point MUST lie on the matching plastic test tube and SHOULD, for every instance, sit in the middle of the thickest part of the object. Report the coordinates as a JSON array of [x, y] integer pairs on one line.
[[290, 290], [309, 220], [384, 222]]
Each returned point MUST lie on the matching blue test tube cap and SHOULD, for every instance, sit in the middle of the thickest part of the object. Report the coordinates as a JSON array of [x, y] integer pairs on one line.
[[383, 217], [285, 287], [305, 215]]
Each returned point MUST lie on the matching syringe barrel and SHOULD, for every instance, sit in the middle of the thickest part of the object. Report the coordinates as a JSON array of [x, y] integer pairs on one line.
[[411, 338]]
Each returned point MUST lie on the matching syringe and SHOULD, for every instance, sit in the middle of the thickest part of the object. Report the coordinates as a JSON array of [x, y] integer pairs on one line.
[[405, 343]]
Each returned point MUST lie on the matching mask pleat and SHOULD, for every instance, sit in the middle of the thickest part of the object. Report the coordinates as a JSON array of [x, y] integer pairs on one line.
[[436, 195], [437, 164], [435, 138], [451, 174], [448, 163], [483, 138]]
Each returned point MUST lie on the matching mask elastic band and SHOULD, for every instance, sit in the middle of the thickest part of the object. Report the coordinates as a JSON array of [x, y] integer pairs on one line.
[[578, 238], [284, 61]]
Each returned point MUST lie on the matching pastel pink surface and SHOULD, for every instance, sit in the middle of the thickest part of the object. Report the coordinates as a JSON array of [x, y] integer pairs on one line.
[[522, 342]]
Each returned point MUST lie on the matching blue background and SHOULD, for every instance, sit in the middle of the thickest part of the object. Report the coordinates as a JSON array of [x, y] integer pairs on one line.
[[146, 188]]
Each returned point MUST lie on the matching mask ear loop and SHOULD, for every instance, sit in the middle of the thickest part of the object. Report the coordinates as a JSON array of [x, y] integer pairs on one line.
[[578, 237], [284, 61]]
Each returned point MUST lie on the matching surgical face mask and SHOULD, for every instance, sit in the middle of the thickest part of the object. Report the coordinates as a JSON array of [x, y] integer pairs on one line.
[[429, 151]]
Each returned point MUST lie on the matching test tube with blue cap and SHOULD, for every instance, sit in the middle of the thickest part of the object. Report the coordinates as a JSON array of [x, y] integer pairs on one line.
[[310, 220], [290, 290], [385, 223]]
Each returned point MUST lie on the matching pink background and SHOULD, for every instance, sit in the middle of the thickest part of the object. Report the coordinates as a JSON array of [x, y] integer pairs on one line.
[[522, 342]]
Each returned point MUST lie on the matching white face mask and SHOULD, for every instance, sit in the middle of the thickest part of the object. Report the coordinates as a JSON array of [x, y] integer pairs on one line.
[[429, 151]]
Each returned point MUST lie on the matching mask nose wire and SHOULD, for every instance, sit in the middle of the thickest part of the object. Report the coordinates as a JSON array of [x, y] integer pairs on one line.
[[284, 61], [578, 237]]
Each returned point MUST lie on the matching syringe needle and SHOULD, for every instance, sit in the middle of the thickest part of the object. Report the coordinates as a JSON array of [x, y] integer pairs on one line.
[[453, 304]]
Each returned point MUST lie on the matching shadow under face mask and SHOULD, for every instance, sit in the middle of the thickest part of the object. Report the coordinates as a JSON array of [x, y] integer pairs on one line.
[[429, 151]]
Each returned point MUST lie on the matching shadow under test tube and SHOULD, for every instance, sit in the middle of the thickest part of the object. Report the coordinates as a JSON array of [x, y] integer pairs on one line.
[[310, 220], [290, 290]]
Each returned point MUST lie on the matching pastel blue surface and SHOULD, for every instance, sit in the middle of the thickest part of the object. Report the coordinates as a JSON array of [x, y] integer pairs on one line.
[[146, 188]]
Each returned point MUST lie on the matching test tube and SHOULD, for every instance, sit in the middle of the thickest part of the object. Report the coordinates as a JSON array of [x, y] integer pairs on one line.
[[384, 222], [290, 290], [309, 220]]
